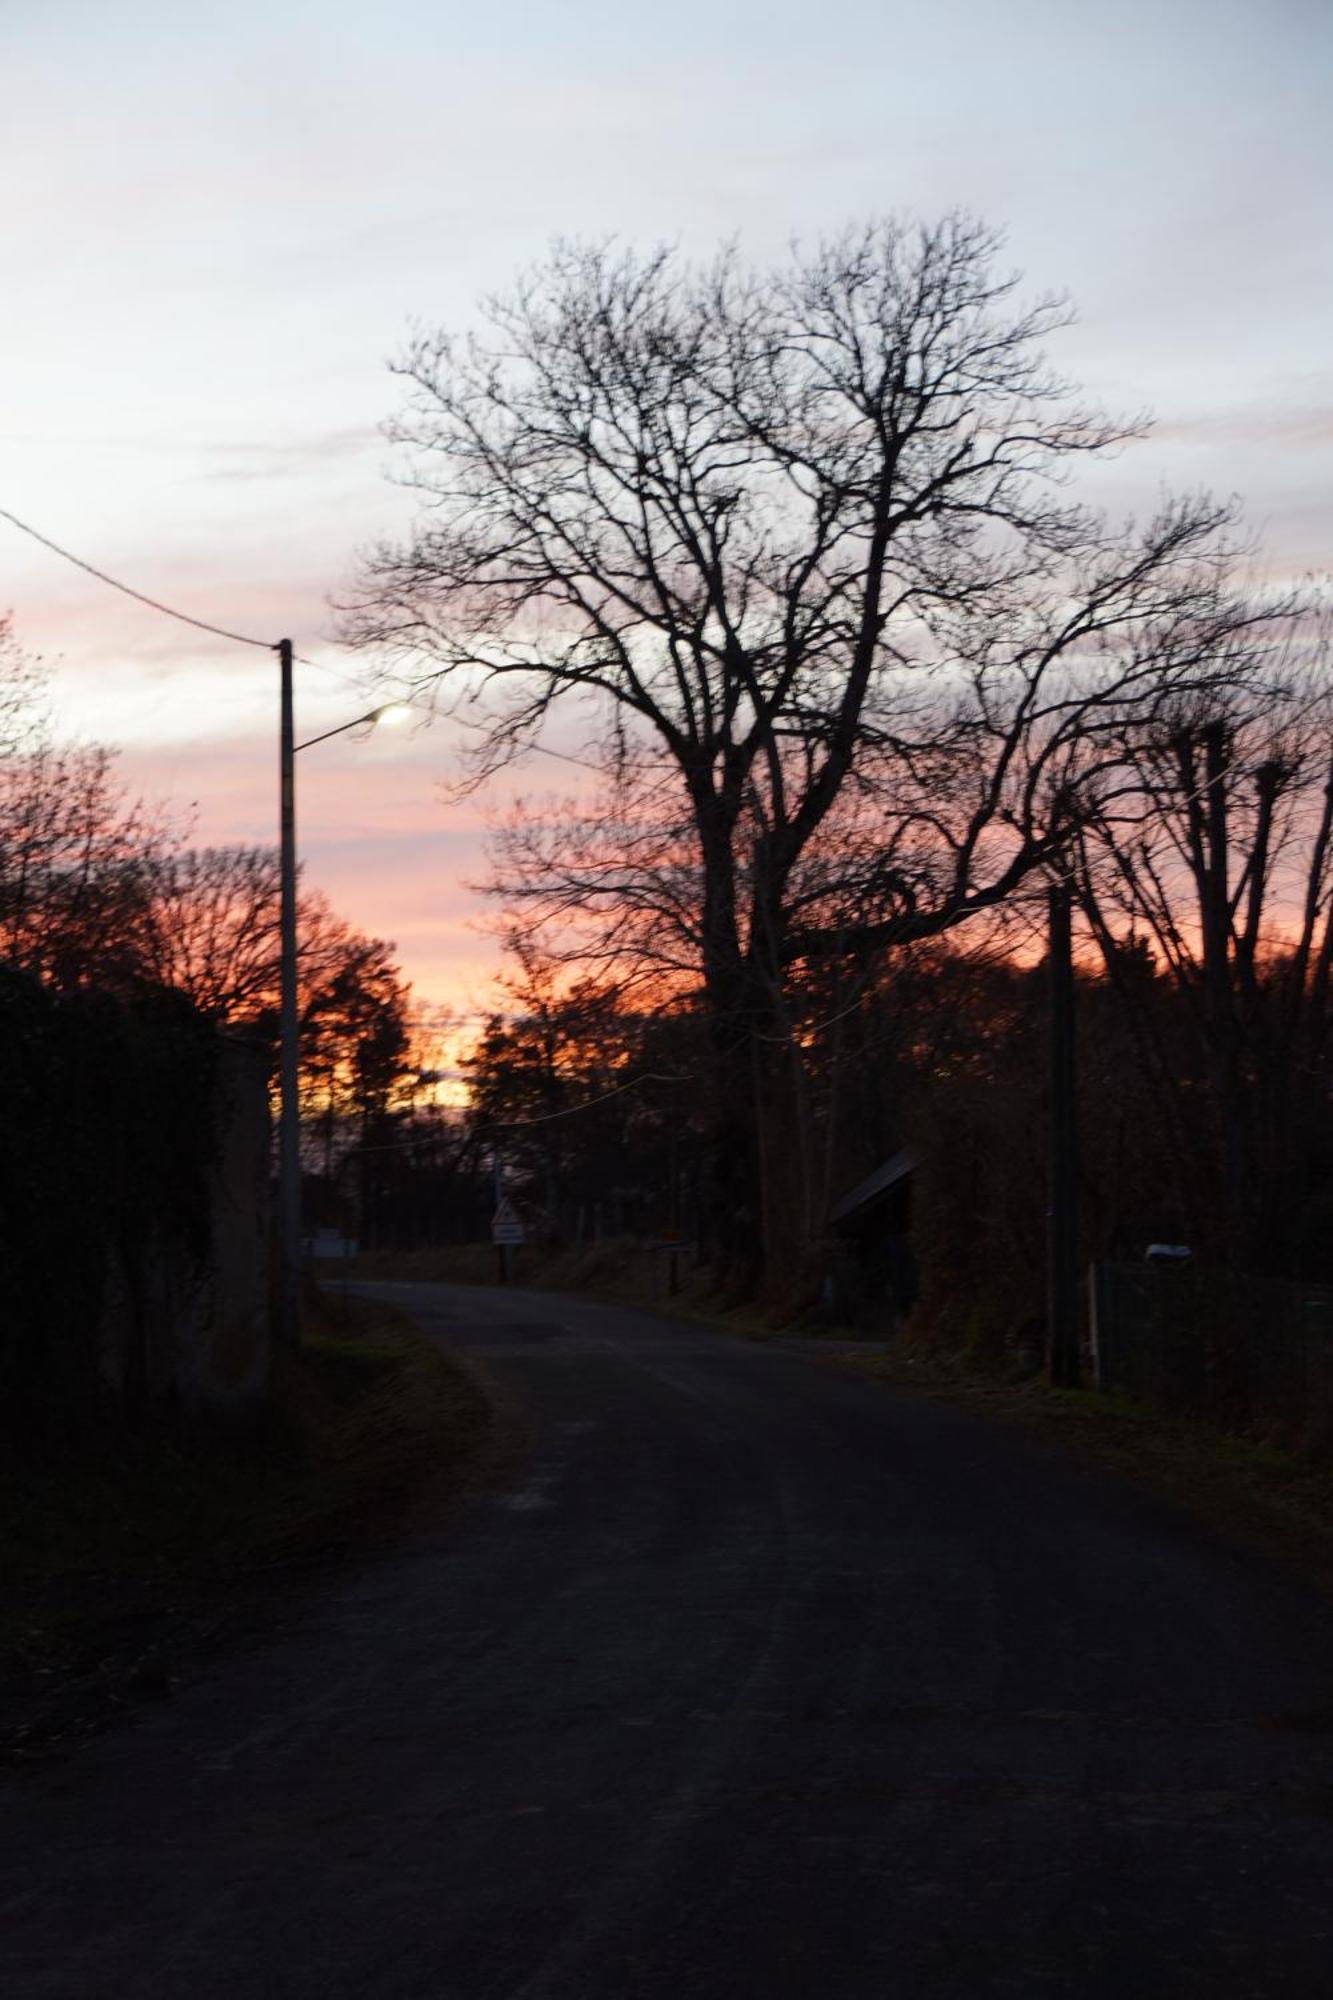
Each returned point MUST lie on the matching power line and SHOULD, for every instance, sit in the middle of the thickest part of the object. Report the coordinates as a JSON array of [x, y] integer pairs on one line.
[[411, 689], [268, 646], [465, 722], [168, 610], [127, 590], [522, 1124], [246, 638], [323, 667], [651, 1076]]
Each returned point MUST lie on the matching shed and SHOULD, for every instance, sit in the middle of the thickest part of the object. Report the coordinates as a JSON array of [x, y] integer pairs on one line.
[[871, 1226]]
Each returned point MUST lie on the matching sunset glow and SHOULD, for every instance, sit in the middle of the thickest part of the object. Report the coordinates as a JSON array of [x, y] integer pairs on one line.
[[226, 230]]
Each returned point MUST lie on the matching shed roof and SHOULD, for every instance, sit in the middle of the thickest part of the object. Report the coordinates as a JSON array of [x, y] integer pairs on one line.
[[896, 1168]]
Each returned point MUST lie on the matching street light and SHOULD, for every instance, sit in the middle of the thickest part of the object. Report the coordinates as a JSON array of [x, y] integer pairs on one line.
[[289, 1112], [392, 711]]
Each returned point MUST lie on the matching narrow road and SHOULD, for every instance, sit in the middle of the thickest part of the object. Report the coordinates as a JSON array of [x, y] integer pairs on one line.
[[754, 1680]]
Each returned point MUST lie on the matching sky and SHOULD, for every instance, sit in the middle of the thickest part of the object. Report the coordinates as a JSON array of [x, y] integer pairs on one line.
[[223, 223]]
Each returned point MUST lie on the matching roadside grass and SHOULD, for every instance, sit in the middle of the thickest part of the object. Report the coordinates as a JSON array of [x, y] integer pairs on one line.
[[1274, 1499], [119, 1552]]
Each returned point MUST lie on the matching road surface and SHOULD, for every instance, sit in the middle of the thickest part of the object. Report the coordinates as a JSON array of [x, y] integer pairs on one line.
[[751, 1679]]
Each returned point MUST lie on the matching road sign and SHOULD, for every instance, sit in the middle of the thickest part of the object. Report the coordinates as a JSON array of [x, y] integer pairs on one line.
[[506, 1225]]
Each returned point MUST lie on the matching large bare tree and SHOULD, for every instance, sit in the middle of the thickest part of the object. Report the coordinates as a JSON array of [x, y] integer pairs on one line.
[[796, 545]]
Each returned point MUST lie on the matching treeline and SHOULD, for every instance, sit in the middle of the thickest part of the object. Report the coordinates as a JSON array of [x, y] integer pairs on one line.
[[1202, 886], [1200, 1122]]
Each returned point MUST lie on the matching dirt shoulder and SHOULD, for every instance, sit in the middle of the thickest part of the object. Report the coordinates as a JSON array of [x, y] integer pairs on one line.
[[126, 1564]]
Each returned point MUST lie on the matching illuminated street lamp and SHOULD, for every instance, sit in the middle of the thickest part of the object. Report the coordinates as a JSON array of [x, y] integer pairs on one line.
[[392, 711], [289, 1110]]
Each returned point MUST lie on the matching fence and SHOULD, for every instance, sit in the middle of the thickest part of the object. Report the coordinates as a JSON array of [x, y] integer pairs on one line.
[[1244, 1351]]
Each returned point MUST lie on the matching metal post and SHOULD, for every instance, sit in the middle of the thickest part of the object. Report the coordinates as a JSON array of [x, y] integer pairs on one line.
[[289, 1115], [1062, 1313]]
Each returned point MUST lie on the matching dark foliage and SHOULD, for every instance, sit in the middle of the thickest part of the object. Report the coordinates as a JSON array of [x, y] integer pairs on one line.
[[107, 1109]]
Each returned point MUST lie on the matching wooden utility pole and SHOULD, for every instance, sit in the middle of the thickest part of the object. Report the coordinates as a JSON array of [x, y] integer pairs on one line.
[[1062, 1213], [289, 1113]]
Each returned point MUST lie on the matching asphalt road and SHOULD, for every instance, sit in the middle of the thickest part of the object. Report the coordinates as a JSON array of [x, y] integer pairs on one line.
[[750, 1680]]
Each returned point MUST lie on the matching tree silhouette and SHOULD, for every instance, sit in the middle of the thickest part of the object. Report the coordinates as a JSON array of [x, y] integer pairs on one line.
[[794, 546]]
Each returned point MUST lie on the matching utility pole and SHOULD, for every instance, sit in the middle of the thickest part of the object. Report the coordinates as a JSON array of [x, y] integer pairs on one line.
[[289, 1111], [1062, 1214]]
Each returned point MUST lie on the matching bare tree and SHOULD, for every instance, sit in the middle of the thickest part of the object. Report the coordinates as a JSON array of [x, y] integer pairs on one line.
[[796, 542], [75, 849], [1214, 852], [22, 688], [209, 928]]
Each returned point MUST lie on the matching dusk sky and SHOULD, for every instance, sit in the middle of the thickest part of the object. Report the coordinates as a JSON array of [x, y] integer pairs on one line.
[[223, 222]]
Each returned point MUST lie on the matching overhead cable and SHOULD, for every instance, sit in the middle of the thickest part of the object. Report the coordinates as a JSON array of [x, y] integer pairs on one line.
[[127, 590]]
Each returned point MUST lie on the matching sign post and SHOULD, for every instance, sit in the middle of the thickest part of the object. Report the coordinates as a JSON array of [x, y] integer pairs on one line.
[[506, 1231]]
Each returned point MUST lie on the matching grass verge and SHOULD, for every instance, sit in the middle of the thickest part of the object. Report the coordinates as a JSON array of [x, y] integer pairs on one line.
[[124, 1561]]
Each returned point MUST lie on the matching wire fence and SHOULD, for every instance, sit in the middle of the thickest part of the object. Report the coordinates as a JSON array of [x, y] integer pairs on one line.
[[1248, 1353]]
